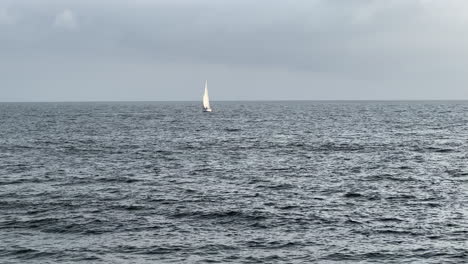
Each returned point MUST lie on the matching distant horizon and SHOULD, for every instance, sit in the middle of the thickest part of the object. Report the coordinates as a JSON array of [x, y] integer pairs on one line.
[[254, 100]]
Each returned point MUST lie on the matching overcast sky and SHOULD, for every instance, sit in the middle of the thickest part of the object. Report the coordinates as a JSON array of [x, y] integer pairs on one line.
[[79, 50]]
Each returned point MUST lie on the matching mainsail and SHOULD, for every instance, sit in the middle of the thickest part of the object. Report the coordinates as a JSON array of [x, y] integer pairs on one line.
[[206, 99]]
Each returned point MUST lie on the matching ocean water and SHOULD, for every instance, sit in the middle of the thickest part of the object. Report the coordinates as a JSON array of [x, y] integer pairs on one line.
[[252, 182]]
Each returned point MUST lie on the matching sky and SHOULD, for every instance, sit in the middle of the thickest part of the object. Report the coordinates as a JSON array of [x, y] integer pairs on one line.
[[158, 50]]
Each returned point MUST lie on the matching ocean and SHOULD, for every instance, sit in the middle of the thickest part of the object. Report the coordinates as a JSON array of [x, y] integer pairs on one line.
[[251, 182]]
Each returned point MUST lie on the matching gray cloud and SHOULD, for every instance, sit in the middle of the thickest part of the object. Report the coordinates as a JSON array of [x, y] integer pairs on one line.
[[298, 49], [5, 17], [66, 20]]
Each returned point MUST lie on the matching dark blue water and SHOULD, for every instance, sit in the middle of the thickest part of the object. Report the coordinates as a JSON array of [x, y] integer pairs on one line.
[[269, 182]]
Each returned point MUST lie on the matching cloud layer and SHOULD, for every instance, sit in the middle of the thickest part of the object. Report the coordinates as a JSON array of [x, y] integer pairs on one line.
[[163, 50]]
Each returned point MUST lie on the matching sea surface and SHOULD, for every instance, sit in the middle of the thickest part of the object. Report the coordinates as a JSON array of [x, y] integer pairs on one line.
[[251, 182]]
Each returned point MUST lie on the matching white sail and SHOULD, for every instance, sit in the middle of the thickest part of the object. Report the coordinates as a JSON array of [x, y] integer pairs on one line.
[[206, 99]]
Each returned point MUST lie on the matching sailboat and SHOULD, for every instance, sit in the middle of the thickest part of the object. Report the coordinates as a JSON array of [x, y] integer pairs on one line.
[[206, 99]]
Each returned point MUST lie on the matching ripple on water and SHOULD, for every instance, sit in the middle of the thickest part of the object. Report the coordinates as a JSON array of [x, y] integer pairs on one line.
[[263, 182]]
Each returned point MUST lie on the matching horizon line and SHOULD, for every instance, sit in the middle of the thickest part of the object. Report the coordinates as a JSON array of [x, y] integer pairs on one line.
[[243, 100]]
